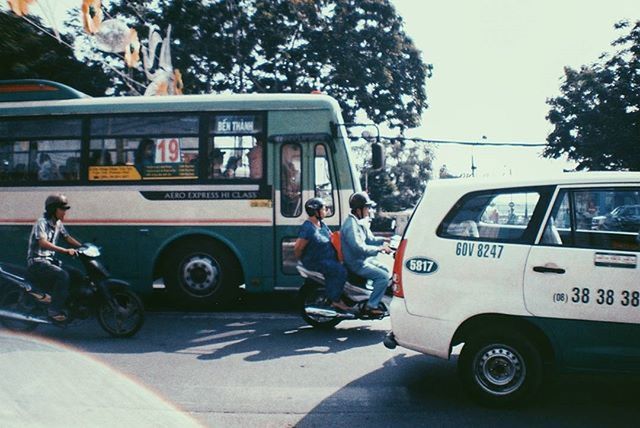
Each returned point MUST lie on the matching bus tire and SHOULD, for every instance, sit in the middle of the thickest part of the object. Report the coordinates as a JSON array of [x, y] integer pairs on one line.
[[500, 369], [312, 293], [202, 273]]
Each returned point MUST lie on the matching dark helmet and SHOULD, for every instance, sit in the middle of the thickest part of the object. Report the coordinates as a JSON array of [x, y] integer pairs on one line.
[[54, 202], [313, 205], [360, 200]]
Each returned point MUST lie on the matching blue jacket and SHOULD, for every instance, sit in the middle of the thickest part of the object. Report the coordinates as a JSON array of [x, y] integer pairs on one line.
[[357, 243]]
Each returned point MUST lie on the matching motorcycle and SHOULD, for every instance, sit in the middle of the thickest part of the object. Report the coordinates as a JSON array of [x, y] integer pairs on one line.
[[120, 312], [316, 309]]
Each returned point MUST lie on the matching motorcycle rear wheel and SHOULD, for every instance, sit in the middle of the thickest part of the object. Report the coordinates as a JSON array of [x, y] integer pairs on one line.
[[125, 317], [312, 293], [17, 301]]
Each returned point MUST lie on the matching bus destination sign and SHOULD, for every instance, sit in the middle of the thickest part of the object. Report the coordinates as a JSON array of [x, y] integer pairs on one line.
[[237, 125]]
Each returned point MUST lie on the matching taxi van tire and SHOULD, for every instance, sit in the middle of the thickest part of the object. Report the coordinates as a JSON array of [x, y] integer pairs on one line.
[[311, 292], [501, 369], [211, 268]]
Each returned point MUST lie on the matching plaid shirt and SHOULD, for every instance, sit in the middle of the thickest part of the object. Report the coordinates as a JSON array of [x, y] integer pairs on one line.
[[48, 229]]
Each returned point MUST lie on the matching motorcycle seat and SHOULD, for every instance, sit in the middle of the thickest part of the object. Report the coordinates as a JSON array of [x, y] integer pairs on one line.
[[352, 277], [308, 273]]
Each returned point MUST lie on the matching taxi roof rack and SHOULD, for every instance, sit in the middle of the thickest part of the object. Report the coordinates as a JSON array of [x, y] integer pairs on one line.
[[36, 90]]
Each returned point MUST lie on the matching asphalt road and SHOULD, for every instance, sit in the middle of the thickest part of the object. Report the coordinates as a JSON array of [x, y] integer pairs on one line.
[[266, 368]]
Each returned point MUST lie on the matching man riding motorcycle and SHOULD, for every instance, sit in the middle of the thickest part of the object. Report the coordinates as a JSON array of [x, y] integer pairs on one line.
[[359, 248], [42, 265]]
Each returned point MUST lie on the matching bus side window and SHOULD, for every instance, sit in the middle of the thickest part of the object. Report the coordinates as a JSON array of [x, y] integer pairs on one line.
[[58, 160], [235, 157], [323, 185], [290, 180], [143, 147], [40, 150], [255, 155]]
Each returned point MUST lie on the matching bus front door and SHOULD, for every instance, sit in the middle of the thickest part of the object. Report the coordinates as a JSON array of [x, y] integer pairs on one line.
[[303, 172]]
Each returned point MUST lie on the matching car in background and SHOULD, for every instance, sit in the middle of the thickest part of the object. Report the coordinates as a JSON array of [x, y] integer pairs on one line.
[[625, 218]]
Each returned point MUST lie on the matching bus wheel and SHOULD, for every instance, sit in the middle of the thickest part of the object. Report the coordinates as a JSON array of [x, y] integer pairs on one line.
[[312, 294], [501, 369], [199, 273]]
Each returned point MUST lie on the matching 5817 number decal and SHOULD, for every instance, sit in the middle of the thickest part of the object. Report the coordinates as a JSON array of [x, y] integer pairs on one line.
[[421, 265]]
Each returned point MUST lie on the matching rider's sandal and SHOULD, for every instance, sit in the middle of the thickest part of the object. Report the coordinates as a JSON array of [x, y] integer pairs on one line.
[[41, 297], [341, 306], [58, 316], [372, 312]]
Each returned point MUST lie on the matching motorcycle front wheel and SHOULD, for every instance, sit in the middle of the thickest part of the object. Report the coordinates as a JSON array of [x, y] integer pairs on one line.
[[313, 294], [16, 300], [123, 316]]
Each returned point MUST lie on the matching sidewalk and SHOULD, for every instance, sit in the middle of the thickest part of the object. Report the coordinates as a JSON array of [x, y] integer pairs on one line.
[[43, 384]]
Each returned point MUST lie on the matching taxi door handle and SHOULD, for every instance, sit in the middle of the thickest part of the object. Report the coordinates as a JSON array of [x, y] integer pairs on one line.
[[545, 269]]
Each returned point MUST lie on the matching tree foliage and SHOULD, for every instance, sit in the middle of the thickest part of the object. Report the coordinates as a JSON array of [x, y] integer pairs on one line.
[[597, 118], [28, 53], [354, 50], [400, 185]]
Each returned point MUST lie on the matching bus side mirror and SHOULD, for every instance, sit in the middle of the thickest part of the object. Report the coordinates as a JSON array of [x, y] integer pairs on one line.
[[377, 156]]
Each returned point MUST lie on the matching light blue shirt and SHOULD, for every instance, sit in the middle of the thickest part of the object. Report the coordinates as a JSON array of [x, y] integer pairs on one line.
[[357, 243]]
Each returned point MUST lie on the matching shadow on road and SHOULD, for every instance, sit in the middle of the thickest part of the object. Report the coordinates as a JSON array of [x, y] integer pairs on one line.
[[280, 301], [259, 330], [422, 390]]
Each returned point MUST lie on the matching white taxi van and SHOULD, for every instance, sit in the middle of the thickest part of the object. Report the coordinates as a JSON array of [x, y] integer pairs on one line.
[[516, 272]]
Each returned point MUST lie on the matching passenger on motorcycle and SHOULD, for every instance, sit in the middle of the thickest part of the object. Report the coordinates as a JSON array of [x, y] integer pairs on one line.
[[359, 247], [314, 248], [42, 265]]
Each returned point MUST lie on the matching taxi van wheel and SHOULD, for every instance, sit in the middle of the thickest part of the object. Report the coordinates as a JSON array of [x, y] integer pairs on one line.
[[201, 274], [312, 293], [500, 370]]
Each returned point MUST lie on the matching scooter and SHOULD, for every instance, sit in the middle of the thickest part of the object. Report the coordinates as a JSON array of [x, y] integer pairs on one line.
[[316, 309], [120, 312]]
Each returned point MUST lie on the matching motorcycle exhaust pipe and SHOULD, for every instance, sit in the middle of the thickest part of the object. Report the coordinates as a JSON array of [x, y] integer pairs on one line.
[[327, 313], [22, 317]]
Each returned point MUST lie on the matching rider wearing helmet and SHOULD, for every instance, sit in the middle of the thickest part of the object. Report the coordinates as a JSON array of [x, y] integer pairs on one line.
[[314, 248], [42, 248], [359, 247]]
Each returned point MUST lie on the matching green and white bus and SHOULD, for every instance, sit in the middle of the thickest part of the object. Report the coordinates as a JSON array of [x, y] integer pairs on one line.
[[199, 194]]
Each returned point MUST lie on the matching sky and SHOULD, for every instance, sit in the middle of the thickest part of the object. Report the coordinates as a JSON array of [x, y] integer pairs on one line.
[[496, 62]]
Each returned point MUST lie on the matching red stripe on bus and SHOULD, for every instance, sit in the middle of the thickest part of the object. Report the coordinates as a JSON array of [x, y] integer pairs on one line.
[[141, 221], [26, 88]]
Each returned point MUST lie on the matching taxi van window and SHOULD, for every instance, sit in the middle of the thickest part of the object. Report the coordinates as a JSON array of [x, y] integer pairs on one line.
[[504, 216], [601, 218]]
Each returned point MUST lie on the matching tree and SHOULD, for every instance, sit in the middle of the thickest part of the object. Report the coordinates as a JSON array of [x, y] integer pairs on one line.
[[356, 51], [28, 53], [400, 185], [597, 118]]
